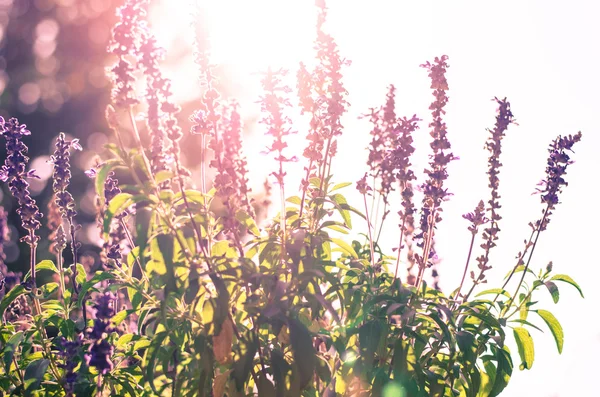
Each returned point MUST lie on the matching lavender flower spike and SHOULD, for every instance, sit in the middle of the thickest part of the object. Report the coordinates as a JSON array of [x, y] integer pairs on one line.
[[62, 176], [99, 355], [14, 172]]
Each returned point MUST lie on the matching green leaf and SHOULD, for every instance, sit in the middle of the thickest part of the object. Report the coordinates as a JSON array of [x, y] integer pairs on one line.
[[243, 366], [304, 352], [101, 176], [81, 275], [280, 369], [117, 205], [166, 250], [48, 288], [10, 297], [118, 318], [46, 264], [248, 222], [34, 374], [525, 322], [554, 326], [504, 371], [519, 269], [10, 348], [340, 203], [86, 286], [495, 291], [294, 200], [143, 225], [567, 279], [488, 378], [151, 358], [553, 289], [340, 186], [162, 176], [347, 248], [525, 345], [369, 335]]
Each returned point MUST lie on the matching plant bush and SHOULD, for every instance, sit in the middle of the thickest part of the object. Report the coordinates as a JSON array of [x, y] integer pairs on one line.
[[196, 297]]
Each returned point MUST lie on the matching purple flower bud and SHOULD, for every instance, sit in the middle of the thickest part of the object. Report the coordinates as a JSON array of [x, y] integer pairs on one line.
[[91, 173]]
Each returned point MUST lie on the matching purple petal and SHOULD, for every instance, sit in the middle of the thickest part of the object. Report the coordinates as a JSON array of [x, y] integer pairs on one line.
[[76, 145], [31, 174]]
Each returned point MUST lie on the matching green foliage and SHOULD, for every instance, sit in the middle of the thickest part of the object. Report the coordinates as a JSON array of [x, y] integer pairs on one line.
[[204, 299]]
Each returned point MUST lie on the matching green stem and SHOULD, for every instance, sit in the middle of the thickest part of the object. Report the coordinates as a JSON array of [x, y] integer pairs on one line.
[[370, 235], [457, 296]]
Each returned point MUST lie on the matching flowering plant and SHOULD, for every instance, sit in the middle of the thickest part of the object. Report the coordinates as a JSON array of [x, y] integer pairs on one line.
[[196, 297]]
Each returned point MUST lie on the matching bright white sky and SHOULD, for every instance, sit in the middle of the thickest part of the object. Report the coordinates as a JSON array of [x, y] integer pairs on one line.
[[542, 55]]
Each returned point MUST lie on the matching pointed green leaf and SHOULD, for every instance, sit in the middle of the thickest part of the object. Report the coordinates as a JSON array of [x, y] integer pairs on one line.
[[162, 176], [567, 279], [554, 326], [525, 345], [347, 248], [34, 374], [10, 297], [245, 219], [304, 352], [101, 176], [495, 291], [10, 348], [46, 264], [488, 378], [553, 289], [117, 205], [340, 186], [243, 366]]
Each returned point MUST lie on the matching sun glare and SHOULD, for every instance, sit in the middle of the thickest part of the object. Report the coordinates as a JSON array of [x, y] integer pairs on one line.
[[248, 36]]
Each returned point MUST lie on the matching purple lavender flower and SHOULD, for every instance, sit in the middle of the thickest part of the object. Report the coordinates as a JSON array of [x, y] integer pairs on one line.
[[69, 352], [149, 57], [100, 352], [111, 248], [558, 161], [476, 218], [62, 176], [124, 42], [99, 356], [433, 189], [231, 180], [14, 172], [273, 104], [57, 235], [504, 118]]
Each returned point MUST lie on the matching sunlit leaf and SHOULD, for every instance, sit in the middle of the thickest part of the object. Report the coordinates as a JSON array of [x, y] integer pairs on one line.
[[525, 345], [553, 289], [46, 264], [569, 280], [34, 374], [10, 348], [347, 248], [244, 364], [9, 298], [554, 326], [495, 291], [101, 176]]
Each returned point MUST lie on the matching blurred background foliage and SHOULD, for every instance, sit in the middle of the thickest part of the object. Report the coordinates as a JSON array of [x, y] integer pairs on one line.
[[52, 77]]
